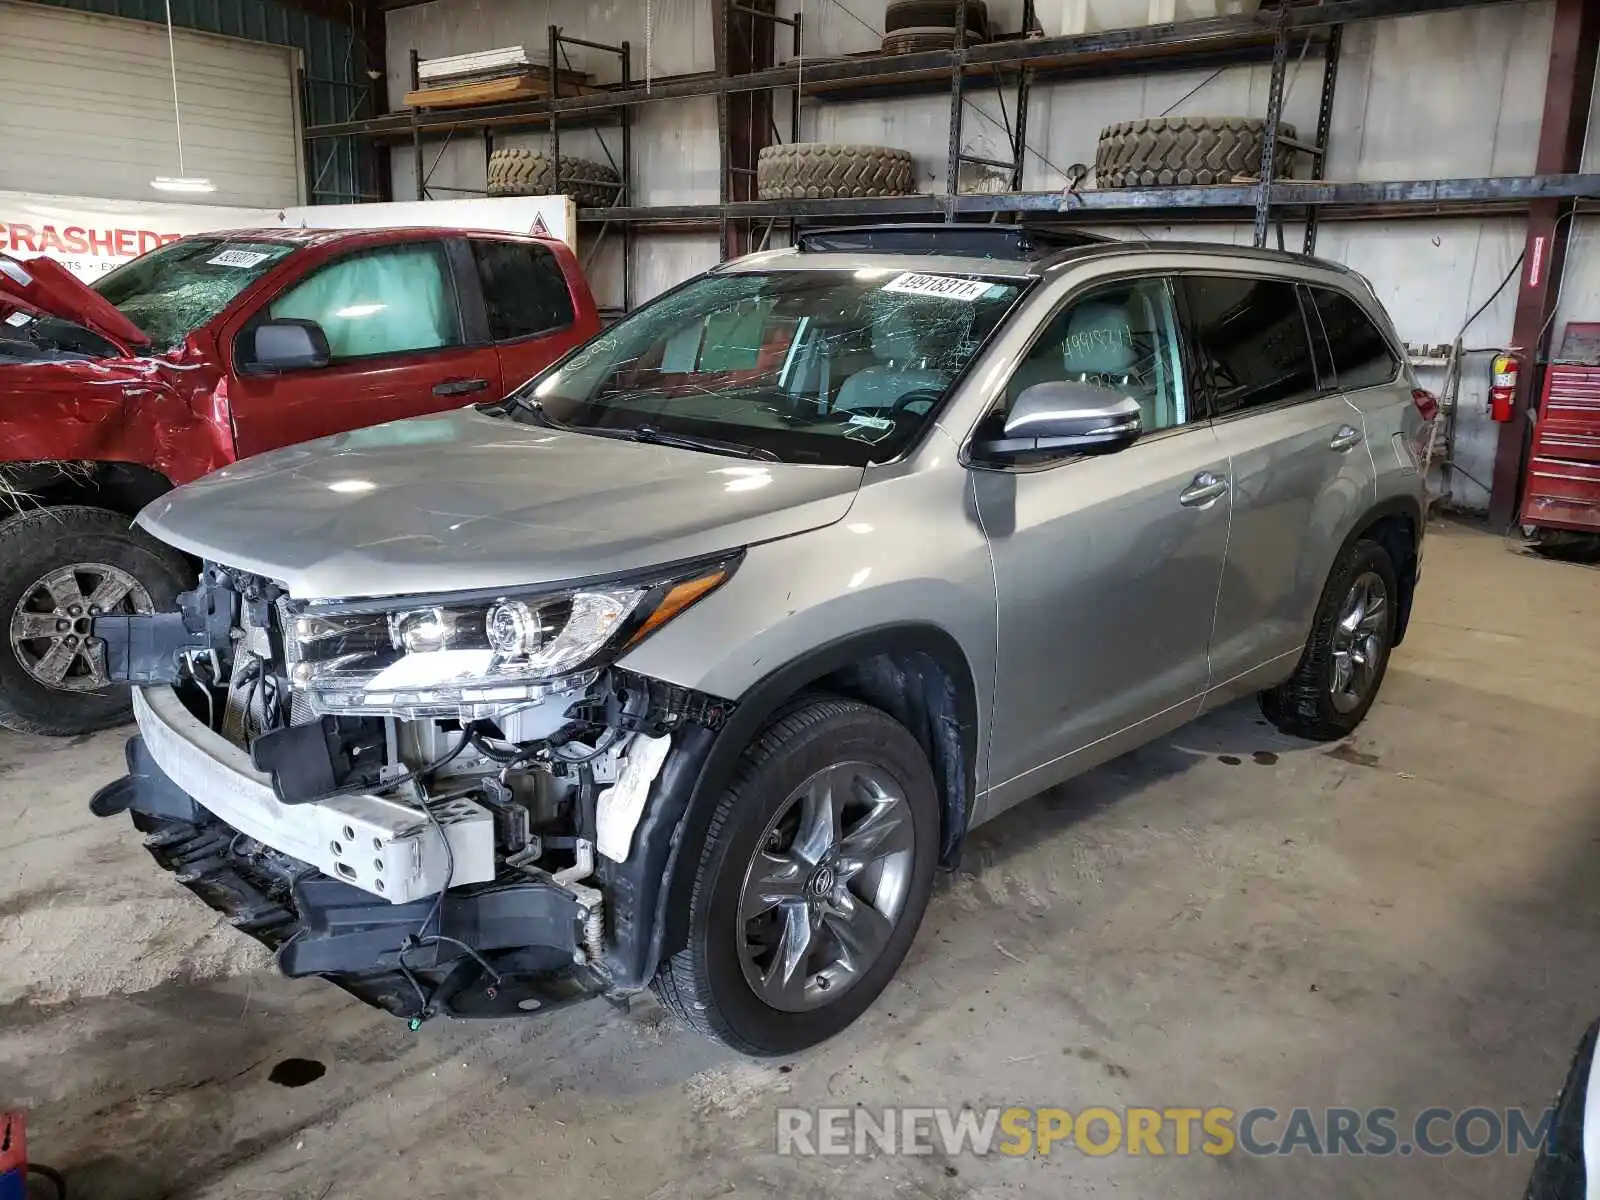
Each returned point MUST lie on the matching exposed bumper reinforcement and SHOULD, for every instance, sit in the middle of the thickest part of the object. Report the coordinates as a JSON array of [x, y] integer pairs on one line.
[[380, 845], [528, 930]]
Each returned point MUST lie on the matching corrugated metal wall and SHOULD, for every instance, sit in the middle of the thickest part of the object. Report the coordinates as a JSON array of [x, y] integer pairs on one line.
[[334, 81], [1438, 96]]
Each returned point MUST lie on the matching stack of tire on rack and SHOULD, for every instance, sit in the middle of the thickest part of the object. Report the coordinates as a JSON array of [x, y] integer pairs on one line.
[[1163, 151], [533, 173], [913, 25]]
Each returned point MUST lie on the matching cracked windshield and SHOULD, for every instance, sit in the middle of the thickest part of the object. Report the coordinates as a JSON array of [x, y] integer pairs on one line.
[[176, 289], [803, 366]]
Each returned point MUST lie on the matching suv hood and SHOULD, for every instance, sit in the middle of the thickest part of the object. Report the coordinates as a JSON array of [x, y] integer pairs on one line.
[[466, 500], [47, 286]]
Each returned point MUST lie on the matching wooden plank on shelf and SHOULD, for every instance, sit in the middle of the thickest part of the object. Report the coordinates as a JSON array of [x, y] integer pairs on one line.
[[530, 85]]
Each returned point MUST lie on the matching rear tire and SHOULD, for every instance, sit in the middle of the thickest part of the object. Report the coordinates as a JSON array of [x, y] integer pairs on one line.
[[80, 547], [1321, 701], [729, 982]]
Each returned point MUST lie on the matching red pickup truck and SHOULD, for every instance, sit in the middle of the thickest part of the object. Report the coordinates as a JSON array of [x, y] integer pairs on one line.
[[204, 351]]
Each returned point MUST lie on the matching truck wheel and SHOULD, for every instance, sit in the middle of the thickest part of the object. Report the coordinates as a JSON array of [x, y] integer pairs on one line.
[[1344, 662], [59, 569], [813, 879]]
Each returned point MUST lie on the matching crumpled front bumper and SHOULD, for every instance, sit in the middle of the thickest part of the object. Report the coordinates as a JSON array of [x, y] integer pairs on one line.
[[528, 931]]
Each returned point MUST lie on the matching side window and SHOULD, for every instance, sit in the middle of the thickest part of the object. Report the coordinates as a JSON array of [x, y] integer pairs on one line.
[[389, 300], [1251, 340], [1121, 336], [523, 288], [1362, 356]]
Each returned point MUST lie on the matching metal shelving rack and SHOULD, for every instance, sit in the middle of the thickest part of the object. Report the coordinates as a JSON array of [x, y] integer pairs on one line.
[[1023, 62]]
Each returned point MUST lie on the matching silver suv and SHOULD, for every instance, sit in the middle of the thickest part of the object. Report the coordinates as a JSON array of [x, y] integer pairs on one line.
[[691, 662]]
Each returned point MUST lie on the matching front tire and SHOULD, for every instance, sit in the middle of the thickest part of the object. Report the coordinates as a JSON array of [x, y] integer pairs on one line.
[[59, 569], [1345, 661], [814, 876]]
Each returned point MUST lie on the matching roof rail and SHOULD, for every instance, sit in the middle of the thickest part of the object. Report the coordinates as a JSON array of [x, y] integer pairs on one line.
[[1015, 242]]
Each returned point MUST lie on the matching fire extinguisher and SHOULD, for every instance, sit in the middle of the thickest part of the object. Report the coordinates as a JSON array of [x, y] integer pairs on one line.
[[1503, 385]]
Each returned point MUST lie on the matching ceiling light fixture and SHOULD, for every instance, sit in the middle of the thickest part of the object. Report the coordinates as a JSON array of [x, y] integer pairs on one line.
[[180, 182]]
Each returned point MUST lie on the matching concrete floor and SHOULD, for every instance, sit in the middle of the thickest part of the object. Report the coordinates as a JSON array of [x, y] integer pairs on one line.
[[1407, 919]]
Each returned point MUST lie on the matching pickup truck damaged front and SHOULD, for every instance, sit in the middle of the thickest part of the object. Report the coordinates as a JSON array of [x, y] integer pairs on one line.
[[436, 803]]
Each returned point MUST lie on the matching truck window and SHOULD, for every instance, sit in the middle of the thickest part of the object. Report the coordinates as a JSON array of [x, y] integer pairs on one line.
[[389, 300], [523, 288]]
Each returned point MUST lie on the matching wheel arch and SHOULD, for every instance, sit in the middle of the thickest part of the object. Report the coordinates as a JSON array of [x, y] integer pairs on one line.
[[120, 487], [1397, 524], [915, 672]]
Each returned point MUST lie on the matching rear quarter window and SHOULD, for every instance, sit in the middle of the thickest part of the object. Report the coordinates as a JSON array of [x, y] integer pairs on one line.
[[1362, 356], [524, 289]]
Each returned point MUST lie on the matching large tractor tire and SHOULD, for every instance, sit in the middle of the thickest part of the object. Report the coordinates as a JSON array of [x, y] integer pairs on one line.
[[822, 171], [1162, 151], [935, 20], [533, 173]]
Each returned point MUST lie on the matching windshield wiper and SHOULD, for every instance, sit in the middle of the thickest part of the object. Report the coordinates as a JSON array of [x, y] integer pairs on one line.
[[684, 441], [648, 434]]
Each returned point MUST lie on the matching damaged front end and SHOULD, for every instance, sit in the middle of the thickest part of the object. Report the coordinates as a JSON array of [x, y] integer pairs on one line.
[[431, 801]]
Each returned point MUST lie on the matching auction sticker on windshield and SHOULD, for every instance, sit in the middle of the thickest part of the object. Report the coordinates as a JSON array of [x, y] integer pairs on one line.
[[238, 258], [914, 284]]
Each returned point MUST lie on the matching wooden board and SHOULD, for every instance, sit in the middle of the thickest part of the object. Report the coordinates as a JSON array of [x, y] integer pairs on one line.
[[531, 85]]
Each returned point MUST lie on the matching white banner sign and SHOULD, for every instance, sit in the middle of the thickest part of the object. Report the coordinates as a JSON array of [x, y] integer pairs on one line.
[[547, 216], [90, 237]]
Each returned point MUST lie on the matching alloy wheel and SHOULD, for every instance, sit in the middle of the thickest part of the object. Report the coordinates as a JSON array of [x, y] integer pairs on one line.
[[51, 627], [826, 887], [1358, 641]]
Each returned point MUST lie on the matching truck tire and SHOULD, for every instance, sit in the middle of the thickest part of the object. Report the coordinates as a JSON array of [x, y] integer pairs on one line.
[[935, 16], [533, 173], [57, 567], [823, 171], [1162, 151], [1347, 655], [813, 878]]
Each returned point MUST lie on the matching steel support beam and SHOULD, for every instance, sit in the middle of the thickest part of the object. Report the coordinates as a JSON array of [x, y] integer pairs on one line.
[[1425, 195], [1319, 160], [746, 44], [1569, 89], [1268, 166]]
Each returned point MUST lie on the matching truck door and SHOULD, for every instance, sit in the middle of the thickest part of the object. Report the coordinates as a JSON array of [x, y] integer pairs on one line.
[[533, 316], [400, 344]]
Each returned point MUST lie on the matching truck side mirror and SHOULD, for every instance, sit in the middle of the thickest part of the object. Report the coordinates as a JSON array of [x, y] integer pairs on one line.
[[287, 344]]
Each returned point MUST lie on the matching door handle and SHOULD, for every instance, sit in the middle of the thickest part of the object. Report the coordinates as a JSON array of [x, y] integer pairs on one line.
[[1346, 437], [459, 387], [1205, 489]]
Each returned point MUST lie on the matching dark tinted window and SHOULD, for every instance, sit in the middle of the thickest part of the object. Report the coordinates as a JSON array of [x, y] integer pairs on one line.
[[523, 288], [1250, 338], [1361, 354]]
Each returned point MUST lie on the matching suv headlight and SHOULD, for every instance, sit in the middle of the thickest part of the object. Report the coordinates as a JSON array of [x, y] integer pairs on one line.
[[432, 656]]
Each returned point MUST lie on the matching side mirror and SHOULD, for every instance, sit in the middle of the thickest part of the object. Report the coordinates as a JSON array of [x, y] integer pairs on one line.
[[1066, 417], [287, 344]]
